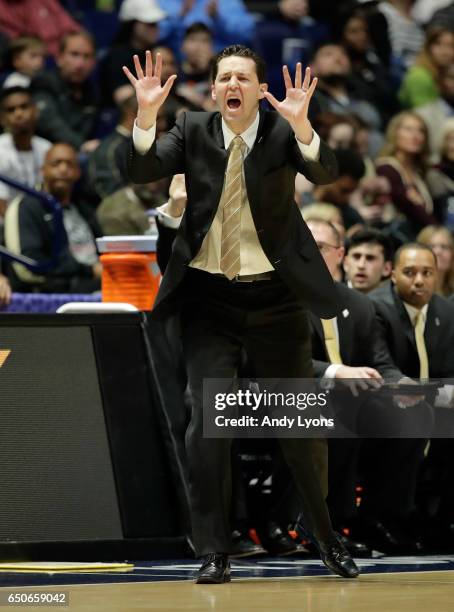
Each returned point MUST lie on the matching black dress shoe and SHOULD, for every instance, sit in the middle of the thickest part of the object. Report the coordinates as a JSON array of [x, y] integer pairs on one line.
[[387, 537], [278, 542], [243, 546], [337, 558], [333, 553], [354, 547], [215, 569]]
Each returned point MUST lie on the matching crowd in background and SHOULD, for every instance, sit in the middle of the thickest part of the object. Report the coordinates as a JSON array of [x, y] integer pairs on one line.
[[384, 102]]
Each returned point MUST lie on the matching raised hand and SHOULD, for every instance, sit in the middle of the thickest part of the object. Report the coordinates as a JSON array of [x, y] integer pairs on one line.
[[150, 93], [295, 106]]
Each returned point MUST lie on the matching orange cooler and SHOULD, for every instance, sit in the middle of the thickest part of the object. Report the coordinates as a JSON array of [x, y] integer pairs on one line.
[[129, 277]]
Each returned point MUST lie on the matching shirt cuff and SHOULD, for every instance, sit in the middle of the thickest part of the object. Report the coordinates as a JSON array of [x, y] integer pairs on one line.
[[331, 370], [166, 219], [310, 152], [143, 139]]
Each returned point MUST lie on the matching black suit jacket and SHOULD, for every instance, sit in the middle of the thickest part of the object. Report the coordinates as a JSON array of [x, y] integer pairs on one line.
[[195, 147], [396, 328], [360, 341]]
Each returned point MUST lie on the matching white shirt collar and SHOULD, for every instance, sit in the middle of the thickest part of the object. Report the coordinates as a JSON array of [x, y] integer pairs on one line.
[[248, 135], [413, 312]]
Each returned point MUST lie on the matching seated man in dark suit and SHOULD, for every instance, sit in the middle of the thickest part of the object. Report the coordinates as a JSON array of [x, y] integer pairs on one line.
[[243, 267], [29, 231], [418, 327], [347, 348]]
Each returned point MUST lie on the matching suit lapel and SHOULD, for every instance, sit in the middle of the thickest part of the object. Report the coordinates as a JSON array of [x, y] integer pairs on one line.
[[432, 329], [404, 319]]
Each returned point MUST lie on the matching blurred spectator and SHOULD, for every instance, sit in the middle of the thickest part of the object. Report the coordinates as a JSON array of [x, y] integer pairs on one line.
[[65, 95], [421, 82], [373, 201], [325, 212], [404, 162], [194, 83], [369, 77], [351, 169], [131, 209], [338, 131], [229, 21], [332, 67], [405, 35], [46, 19], [287, 35], [423, 10], [29, 231], [175, 102], [441, 242], [440, 178], [436, 113], [139, 30], [444, 16], [21, 152], [106, 167], [26, 55]]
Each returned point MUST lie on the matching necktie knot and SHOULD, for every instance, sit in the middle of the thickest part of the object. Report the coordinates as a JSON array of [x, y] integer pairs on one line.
[[238, 143]]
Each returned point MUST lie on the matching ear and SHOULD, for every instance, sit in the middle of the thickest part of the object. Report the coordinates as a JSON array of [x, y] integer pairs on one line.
[[262, 88], [387, 269], [393, 277], [213, 93]]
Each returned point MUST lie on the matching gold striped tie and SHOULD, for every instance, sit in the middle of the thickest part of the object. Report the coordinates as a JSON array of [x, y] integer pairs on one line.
[[331, 342], [421, 347], [231, 201]]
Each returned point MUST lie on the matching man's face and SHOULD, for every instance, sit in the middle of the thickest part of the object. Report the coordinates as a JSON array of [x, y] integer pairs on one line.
[[331, 60], [77, 61], [237, 92], [365, 266], [60, 171], [415, 276], [198, 49], [19, 114], [328, 246]]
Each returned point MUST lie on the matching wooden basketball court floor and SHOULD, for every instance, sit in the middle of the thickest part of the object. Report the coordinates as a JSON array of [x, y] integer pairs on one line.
[[388, 584]]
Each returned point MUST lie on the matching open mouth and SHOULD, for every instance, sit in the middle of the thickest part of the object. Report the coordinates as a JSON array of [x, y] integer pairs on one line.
[[234, 103]]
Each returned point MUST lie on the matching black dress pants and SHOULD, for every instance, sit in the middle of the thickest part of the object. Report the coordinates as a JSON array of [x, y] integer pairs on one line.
[[221, 318]]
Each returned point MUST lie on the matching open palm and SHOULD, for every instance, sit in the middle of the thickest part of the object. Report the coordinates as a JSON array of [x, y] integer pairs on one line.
[[295, 106], [150, 93]]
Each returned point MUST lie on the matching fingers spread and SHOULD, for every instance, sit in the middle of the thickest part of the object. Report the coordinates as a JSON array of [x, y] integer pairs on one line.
[[298, 76], [287, 78], [148, 64], [271, 99], [138, 67], [132, 79], [307, 79]]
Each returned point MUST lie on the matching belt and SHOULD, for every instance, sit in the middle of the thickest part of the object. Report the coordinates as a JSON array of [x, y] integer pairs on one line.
[[251, 278], [240, 278]]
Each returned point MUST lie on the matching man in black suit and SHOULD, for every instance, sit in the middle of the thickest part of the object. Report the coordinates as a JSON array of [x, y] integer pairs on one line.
[[361, 360], [243, 268], [403, 308]]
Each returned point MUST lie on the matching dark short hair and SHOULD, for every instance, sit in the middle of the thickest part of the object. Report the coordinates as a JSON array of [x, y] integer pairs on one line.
[[240, 51], [418, 246], [371, 235], [350, 163], [198, 28], [83, 33], [11, 91]]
